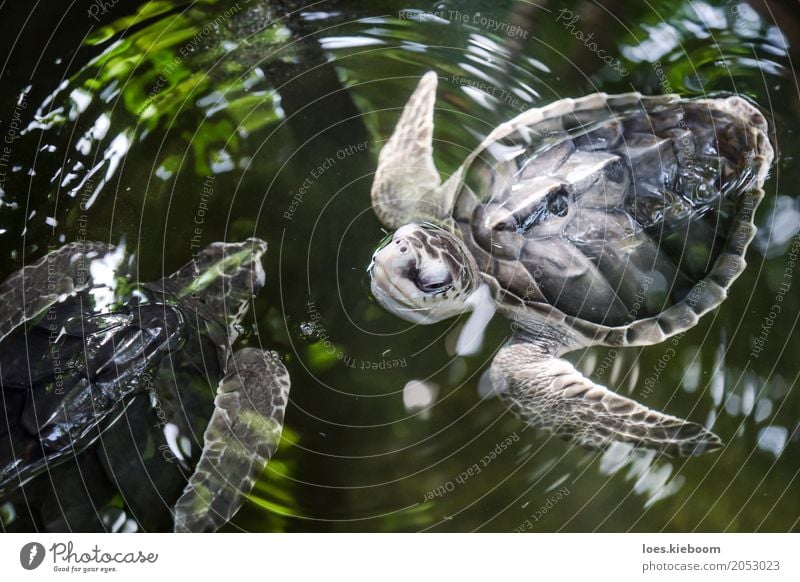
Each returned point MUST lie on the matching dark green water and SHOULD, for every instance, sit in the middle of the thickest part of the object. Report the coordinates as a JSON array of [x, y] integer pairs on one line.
[[172, 126]]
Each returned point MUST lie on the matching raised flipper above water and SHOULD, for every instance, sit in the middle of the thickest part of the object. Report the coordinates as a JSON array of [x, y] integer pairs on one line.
[[407, 186]]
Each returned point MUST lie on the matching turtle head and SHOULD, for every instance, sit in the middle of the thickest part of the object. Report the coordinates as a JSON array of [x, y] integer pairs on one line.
[[424, 274], [222, 278]]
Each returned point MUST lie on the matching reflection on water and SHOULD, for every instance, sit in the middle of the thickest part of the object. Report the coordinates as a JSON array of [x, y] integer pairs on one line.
[[258, 103]]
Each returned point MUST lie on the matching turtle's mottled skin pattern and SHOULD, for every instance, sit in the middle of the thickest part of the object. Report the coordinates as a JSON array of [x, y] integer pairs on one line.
[[589, 243], [131, 371], [23, 294], [595, 414], [450, 273], [640, 222], [239, 440], [612, 220]]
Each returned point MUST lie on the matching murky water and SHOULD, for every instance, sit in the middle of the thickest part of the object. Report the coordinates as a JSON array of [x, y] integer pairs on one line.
[[175, 127]]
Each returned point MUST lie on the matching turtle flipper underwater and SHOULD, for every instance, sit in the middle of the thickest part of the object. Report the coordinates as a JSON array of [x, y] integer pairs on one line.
[[84, 347], [240, 439], [549, 392], [614, 220], [33, 435]]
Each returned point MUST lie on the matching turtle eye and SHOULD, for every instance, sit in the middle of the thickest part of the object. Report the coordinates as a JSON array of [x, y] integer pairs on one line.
[[558, 203], [434, 285]]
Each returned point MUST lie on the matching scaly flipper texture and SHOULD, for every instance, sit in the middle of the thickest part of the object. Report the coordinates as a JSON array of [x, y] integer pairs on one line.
[[241, 438], [41, 427], [31, 290], [406, 184], [551, 394]]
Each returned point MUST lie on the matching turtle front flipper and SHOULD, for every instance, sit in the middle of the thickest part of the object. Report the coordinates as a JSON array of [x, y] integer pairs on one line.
[[31, 290], [550, 393], [407, 187], [240, 439]]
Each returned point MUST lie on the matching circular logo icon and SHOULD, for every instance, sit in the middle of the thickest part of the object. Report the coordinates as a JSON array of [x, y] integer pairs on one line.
[[31, 555]]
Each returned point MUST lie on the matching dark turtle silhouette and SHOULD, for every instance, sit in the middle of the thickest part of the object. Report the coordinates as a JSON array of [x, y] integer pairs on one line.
[[90, 358], [615, 220]]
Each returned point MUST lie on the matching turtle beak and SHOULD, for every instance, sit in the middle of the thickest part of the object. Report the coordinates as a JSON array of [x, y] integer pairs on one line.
[[395, 256], [389, 263], [258, 247], [388, 271], [390, 296]]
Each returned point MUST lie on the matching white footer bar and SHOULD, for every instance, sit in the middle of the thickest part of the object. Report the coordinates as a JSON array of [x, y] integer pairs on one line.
[[401, 557]]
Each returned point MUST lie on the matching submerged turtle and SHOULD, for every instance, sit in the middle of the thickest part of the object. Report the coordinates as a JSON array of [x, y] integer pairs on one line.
[[614, 220], [92, 363]]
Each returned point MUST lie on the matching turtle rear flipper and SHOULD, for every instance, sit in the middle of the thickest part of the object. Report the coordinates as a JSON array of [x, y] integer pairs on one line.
[[241, 437], [550, 393], [31, 290]]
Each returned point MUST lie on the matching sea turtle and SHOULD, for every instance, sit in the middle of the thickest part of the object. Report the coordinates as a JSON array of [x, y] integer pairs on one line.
[[137, 372], [613, 220]]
